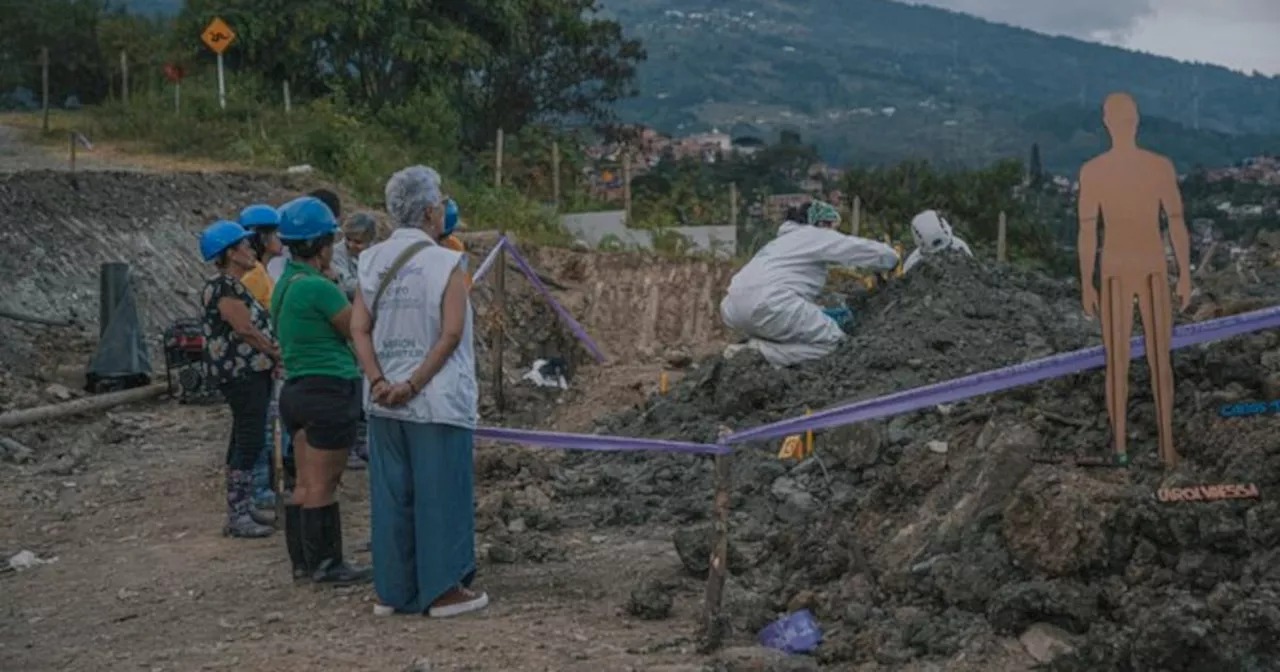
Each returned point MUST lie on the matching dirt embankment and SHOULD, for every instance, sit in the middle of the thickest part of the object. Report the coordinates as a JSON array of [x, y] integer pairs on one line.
[[944, 536], [60, 228]]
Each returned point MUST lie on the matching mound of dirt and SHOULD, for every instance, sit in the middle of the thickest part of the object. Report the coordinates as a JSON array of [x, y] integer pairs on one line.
[[942, 535]]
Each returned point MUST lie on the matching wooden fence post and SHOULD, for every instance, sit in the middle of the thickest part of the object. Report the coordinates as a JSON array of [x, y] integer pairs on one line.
[[72, 136], [124, 77], [712, 624], [733, 204], [288, 102], [555, 174], [44, 84], [1002, 252], [857, 216], [500, 318], [497, 166], [626, 183]]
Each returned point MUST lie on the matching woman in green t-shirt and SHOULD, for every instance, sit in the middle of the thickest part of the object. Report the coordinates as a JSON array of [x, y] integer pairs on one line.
[[320, 403]]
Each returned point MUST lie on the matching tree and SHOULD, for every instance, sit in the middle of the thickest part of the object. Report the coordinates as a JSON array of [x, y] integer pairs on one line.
[[552, 60], [1035, 172], [503, 63], [68, 29]]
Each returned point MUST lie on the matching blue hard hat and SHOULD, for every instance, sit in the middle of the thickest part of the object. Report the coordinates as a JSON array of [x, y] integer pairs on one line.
[[220, 237], [306, 218], [259, 217], [450, 216]]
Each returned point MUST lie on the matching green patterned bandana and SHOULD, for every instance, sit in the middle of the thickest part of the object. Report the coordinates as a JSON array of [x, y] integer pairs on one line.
[[823, 213]]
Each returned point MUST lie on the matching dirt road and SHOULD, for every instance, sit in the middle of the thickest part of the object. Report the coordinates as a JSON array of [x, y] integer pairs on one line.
[[144, 580]]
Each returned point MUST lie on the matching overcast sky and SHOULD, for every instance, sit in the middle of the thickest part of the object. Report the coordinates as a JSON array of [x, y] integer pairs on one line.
[[1240, 34]]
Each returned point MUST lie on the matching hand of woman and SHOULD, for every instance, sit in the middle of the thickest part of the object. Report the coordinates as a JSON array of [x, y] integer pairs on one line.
[[378, 390], [399, 395]]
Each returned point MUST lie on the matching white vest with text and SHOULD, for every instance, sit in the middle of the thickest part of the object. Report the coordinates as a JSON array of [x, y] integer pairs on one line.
[[408, 325]]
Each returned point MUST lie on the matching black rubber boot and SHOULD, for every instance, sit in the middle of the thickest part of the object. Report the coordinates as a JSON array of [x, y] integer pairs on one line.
[[323, 547], [293, 542]]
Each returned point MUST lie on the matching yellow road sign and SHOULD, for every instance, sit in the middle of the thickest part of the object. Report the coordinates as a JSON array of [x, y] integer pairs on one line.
[[218, 36]]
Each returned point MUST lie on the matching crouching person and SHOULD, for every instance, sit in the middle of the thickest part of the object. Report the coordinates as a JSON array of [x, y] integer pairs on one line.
[[320, 400], [411, 324]]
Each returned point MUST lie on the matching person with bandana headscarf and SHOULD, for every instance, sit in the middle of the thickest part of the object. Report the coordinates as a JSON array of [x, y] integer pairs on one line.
[[773, 298]]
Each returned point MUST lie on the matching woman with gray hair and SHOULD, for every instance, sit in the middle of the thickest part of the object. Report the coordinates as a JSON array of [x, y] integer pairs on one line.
[[411, 325]]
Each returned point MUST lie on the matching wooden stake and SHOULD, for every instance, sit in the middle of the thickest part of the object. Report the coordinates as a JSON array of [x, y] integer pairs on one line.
[[555, 173], [857, 216], [72, 136], [500, 308], [712, 624], [177, 98], [288, 103], [733, 204], [124, 77], [497, 166], [44, 84], [1001, 247], [626, 183]]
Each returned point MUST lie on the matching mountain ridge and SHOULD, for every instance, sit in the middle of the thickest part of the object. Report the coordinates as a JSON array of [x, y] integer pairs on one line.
[[963, 89]]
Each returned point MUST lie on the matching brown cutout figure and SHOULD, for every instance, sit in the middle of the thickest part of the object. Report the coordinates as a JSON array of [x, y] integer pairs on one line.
[[1127, 187]]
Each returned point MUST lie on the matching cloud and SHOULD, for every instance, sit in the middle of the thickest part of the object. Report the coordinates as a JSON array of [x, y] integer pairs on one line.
[[1088, 18], [1235, 33], [1080, 18]]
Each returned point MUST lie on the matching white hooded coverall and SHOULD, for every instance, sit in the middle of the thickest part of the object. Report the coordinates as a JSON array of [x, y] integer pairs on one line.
[[772, 298], [932, 234]]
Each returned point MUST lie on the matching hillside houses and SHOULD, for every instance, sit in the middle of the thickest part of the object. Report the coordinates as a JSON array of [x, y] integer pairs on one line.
[[1255, 170]]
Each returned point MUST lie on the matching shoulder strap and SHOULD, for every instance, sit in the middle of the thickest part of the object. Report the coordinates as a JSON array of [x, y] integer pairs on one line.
[[279, 305], [394, 270]]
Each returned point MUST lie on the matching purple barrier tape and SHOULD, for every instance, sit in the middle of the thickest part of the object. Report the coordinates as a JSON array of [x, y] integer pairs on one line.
[[596, 442], [488, 261], [1002, 379], [564, 314]]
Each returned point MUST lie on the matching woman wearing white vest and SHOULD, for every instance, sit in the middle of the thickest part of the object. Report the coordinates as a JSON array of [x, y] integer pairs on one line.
[[411, 324]]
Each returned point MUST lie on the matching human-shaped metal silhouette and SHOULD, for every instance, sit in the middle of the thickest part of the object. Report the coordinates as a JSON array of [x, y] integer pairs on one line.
[[1126, 188]]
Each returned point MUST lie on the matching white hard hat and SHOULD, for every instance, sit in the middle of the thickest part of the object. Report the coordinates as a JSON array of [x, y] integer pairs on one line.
[[931, 232]]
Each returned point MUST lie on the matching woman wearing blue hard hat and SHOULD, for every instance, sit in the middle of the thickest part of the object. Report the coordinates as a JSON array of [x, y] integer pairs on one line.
[[320, 403], [239, 354], [262, 221]]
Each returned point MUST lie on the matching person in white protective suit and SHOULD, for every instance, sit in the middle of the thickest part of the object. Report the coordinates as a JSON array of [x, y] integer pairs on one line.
[[932, 234], [772, 298]]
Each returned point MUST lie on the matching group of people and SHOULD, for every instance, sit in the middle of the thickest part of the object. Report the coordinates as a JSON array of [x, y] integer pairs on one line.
[[773, 298], [336, 333]]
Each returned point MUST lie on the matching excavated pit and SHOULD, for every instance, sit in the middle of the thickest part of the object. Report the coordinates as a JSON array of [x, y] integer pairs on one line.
[[940, 535]]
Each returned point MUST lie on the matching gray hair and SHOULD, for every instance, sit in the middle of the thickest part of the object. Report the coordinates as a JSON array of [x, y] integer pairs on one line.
[[410, 193]]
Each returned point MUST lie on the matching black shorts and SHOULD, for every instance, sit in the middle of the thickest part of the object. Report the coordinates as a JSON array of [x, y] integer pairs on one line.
[[327, 408]]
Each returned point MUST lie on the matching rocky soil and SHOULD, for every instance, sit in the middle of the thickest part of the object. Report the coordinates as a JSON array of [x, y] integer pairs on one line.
[[938, 536]]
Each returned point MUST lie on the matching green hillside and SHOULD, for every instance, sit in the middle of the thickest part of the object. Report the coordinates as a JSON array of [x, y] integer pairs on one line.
[[961, 89]]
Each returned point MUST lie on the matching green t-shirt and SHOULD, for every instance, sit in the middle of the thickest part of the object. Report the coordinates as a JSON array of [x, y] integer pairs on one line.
[[304, 304]]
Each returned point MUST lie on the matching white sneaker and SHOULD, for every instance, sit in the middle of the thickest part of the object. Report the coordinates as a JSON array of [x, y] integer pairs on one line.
[[480, 601], [383, 610]]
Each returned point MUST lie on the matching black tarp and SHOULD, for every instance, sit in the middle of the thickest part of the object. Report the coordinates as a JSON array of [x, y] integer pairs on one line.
[[122, 360]]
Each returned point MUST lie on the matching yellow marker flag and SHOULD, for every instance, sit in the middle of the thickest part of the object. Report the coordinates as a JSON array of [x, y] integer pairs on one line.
[[662, 383], [808, 436], [791, 447]]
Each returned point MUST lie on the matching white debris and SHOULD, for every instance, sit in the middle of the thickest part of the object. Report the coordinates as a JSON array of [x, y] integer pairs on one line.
[[24, 560]]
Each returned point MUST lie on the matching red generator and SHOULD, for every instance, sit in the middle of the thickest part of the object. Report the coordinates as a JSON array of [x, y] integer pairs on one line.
[[184, 361]]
